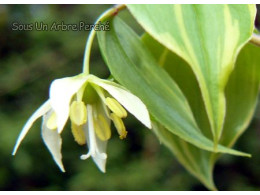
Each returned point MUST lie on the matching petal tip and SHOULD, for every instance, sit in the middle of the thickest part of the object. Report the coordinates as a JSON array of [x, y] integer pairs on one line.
[[62, 169], [147, 122], [14, 151], [102, 168], [60, 129], [149, 126]]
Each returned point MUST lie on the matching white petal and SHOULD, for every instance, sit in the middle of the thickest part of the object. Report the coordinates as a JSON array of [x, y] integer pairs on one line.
[[38, 113], [97, 148], [101, 145], [61, 92], [53, 141], [132, 103]]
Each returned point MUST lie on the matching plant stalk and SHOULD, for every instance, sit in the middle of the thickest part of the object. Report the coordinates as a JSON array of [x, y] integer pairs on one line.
[[109, 13], [255, 39]]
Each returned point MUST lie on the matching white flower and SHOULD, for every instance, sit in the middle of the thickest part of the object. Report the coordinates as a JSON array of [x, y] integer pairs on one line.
[[90, 103]]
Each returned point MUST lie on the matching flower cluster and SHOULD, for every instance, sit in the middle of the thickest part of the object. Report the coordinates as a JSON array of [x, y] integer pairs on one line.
[[91, 104]]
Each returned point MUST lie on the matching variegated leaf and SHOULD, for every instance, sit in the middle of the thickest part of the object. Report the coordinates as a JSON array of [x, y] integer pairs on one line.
[[208, 38]]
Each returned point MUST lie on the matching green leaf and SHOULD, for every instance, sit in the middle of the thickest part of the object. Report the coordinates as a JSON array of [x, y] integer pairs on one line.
[[196, 161], [241, 94], [182, 74], [208, 38], [134, 66]]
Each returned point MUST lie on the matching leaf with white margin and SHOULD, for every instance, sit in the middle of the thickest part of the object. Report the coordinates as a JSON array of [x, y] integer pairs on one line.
[[53, 141], [195, 160], [209, 38], [131, 63], [242, 94], [243, 80], [43, 109]]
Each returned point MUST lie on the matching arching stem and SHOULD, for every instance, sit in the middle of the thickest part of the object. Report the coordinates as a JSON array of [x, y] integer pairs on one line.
[[109, 13], [255, 39]]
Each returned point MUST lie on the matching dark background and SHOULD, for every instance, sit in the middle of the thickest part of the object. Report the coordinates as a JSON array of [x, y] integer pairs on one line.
[[30, 60]]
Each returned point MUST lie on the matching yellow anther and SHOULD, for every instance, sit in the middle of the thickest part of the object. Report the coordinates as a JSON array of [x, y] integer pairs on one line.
[[115, 107], [78, 133], [78, 113], [52, 122], [102, 128], [120, 127]]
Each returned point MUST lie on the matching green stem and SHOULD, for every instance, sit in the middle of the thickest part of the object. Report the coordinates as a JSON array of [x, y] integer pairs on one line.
[[255, 39], [109, 13]]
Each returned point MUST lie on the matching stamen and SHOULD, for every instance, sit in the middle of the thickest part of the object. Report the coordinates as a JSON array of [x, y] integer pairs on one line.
[[120, 127], [52, 122], [102, 128], [78, 113], [78, 133], [115, 107]]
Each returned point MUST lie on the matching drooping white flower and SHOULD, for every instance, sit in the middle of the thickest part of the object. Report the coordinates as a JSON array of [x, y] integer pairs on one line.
[[90, 103]]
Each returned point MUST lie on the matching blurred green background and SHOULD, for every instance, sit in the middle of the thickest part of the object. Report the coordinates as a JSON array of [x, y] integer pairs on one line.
[[30, 60]]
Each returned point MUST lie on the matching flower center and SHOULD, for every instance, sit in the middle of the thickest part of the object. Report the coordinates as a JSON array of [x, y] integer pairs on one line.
[[90, 95]]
